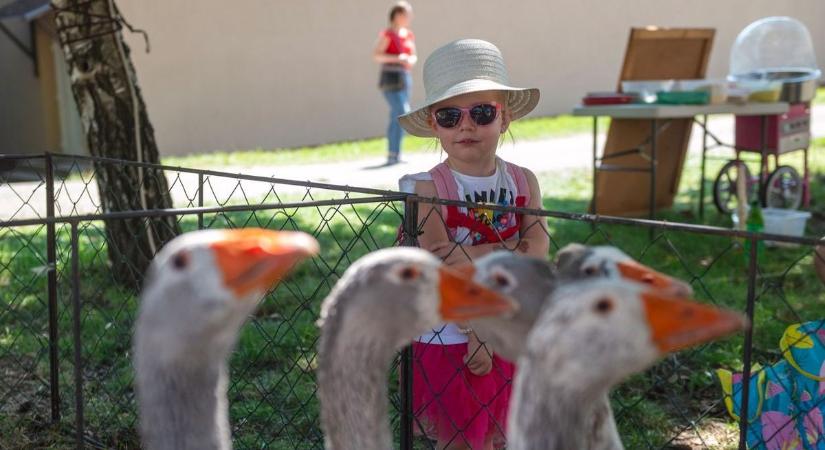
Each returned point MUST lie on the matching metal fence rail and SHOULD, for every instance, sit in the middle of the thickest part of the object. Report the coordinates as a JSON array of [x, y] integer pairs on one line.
[[66, 322]]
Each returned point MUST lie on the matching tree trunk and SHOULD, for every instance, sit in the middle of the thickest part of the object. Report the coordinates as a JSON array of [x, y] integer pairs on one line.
[[117, 126]]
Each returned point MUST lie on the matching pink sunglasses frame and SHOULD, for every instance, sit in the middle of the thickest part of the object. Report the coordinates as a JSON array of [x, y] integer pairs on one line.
[[465, 112]]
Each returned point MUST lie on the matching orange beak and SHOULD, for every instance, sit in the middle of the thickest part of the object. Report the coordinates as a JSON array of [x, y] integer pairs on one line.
[[639, 273], [678, 323], [255, 259], [463, 299]]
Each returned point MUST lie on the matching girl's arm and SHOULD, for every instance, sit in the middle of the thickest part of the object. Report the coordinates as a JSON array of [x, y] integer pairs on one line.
[[535, 239], [430, 221]]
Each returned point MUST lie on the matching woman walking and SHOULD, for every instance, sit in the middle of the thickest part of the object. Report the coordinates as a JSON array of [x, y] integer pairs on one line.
[[395, 51]]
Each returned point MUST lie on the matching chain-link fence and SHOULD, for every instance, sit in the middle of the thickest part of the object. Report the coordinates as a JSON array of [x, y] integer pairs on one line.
[[66, 317]]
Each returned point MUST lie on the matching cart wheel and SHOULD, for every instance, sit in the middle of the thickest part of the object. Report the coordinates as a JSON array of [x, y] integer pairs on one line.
[[724, 187], [784, 188]]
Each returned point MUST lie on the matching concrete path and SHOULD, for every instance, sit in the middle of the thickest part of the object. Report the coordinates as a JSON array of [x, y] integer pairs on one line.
[[27, 199]]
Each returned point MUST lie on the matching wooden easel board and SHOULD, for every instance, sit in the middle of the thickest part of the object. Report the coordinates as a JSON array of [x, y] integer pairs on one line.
[[652, 54]]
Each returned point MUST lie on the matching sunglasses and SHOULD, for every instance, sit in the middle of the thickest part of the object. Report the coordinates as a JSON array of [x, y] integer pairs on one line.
[[482, 114]]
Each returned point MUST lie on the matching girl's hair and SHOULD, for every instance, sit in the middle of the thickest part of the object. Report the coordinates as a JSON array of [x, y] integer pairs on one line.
[[398, 8]]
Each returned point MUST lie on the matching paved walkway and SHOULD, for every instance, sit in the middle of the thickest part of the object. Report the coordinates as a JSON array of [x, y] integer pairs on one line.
[[27, 199]]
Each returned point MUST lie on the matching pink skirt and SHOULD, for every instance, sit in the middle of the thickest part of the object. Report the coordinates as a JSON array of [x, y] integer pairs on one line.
[[452, 404]]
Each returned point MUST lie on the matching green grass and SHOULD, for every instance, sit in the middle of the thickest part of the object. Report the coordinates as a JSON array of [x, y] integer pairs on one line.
[[526, 129], [272, 389]]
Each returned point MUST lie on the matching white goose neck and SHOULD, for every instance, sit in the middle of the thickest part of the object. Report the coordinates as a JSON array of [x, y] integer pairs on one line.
[[352, 386], [184, 407]]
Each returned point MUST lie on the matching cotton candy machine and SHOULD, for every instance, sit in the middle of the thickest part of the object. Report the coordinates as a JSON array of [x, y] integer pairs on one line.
[[773, 53]]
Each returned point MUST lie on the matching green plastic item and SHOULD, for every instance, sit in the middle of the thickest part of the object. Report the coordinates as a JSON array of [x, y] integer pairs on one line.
[[683, 97]]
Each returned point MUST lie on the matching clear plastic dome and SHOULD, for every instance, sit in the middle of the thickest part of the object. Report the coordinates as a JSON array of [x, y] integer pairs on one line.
[[775, 48]]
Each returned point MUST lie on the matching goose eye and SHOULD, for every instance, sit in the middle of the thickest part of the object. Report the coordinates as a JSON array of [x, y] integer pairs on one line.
[[180, 261], [603, 306], [408, 273], [500, 280], [590, 271]]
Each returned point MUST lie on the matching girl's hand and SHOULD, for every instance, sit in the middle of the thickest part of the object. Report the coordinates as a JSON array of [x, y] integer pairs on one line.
[[479, 357]]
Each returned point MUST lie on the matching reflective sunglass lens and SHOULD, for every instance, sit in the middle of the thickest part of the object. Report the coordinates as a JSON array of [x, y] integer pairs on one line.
[[483, 114], [448, 117]]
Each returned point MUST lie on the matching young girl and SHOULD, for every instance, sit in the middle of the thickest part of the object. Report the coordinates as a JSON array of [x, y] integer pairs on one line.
[[461, 388]]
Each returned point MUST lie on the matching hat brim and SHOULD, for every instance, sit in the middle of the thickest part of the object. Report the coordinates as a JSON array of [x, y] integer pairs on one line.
[[520, 101]]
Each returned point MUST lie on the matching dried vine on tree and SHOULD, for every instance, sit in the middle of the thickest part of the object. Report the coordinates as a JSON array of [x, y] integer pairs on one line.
[[116, 124]]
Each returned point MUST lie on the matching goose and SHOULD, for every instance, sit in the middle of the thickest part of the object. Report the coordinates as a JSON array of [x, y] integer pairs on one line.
[[530, 281], [379, 305], [577, 261], [594, 334], [199, 290]]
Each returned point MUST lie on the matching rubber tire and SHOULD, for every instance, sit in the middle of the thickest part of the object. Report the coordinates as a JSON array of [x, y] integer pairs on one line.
[[775, 178], [718, 187]]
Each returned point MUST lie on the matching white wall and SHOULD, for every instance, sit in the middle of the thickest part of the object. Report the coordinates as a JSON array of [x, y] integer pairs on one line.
[[277, 73]]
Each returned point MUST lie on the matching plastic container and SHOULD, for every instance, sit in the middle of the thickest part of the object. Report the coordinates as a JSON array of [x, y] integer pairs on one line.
[[646, 90], [789, 222], [716, 89], [777, 49], [683, 97], [761, 90]]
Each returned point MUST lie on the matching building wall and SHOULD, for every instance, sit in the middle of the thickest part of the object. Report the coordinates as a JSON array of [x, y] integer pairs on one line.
[[263, 73], [23, 127]]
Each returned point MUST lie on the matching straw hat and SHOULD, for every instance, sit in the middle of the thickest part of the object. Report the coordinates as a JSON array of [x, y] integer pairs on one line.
[[461, 67]]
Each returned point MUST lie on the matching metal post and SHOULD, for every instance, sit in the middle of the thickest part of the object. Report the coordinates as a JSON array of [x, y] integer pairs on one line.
[[78, 351], [409, 239], [200, 200], [652, 170], [51, 261], [748, 346], [595, 159], [702, 177], [763, 163]]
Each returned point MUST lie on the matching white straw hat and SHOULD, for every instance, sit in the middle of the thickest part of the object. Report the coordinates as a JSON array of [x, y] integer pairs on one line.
[[461, 67]]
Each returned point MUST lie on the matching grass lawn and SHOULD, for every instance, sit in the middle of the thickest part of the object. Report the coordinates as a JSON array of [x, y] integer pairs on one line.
[[272, 390]]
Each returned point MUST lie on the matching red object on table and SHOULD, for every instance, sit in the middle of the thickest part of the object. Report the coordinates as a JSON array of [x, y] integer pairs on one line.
[[606, 98]]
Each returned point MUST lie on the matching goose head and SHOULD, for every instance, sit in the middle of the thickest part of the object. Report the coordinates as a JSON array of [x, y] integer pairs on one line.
[[199, 290], [399, 293], [202, 285], [599, 332], [528, 281], [576, 261], [383, 301]]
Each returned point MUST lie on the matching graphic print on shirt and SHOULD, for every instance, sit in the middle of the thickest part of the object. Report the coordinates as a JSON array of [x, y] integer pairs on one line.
[[497, 220]]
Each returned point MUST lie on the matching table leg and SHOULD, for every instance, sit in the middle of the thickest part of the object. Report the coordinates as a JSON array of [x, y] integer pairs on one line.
[[595, 161], [652, 169], [702, 176]]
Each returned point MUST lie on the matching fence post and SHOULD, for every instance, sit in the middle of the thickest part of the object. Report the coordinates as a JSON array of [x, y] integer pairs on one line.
[[51, 262], [200, 200], [78, 351], [748, 346], [409, 238]]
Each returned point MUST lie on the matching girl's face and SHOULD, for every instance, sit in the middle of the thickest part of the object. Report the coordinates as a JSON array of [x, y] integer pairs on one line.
[[468, 142], [402, 19]]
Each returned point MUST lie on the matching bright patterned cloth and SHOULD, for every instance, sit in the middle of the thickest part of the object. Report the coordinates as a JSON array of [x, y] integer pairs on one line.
[[786, 401]]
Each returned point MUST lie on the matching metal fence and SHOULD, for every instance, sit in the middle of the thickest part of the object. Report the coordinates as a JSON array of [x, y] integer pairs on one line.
[[66, 320]]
